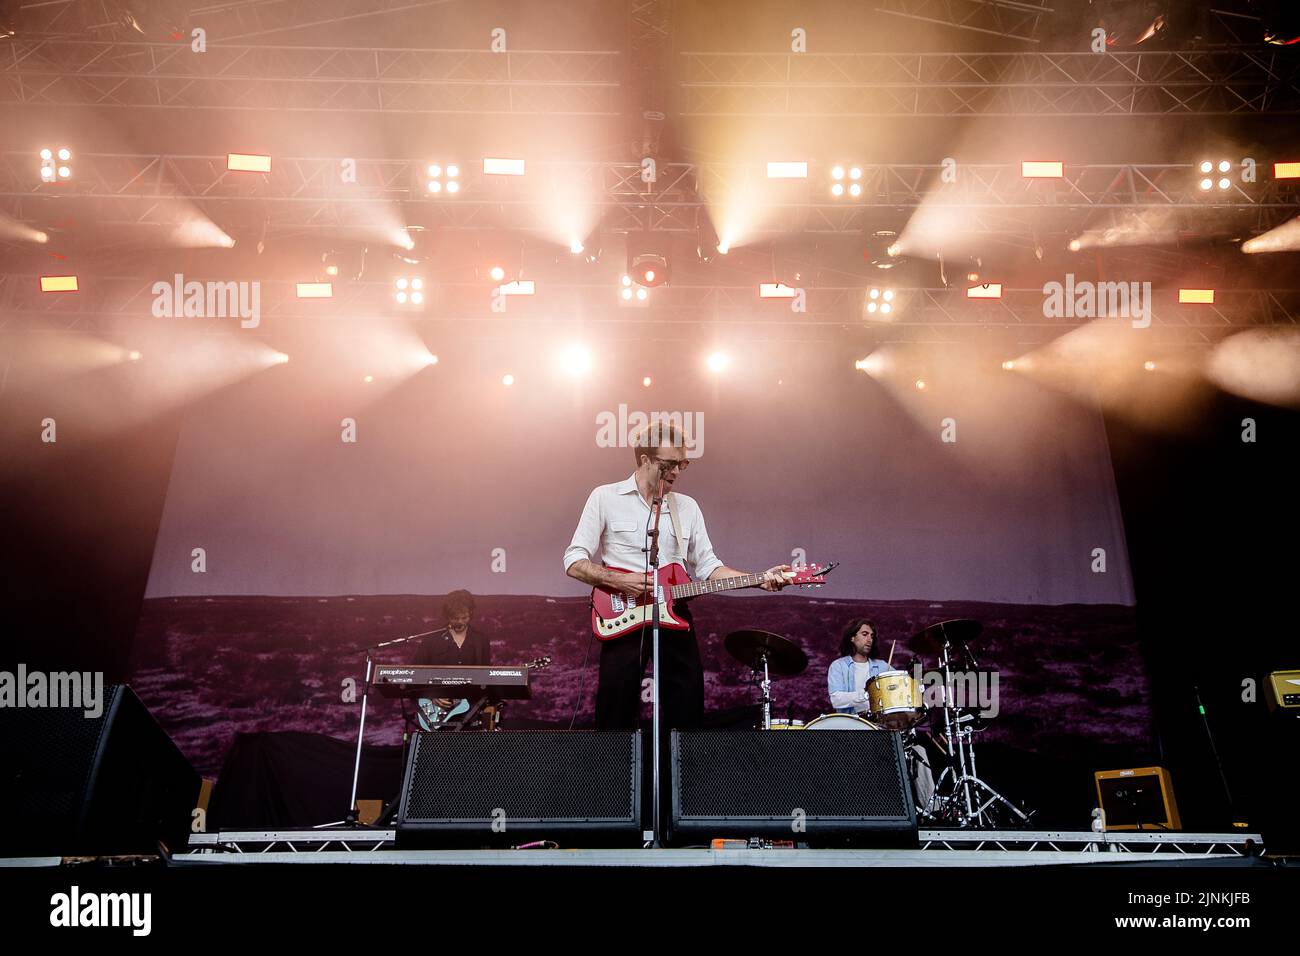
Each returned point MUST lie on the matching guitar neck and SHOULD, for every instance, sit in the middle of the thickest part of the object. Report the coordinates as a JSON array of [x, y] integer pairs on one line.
[[696, 588]]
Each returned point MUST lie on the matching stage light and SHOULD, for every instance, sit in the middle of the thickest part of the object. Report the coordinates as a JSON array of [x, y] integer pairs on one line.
[[49, 171], [718, 361], [1196, 296], [591, 246], [431, 359], [503, 167], [58, 283], [507, 380], [497, 273], [889, 295], [775, 290], [883, 249], [920, 385], [248, 163], [280, 358], [647, 381], [575, 361], [1042, 170], [854, 189], [886, 308], [518, 287], [1008, 365], [576, 247], [1149, 366], [873, 364], [1286, 170], [1224, 166], [1207, 166], [725, 245], [439, 177], [315, 290], [368, 379], [648, 269], [1224, 184], [134, 356], [787, 170], [408, 290], [1075, 245], [1207, 184], [632, 296]]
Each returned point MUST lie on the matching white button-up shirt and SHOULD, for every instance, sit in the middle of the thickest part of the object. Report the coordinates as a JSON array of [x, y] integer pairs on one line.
[[614, 523]]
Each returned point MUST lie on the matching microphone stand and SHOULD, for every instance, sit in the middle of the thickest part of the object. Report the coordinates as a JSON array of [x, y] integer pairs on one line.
[[656, 708], [351, 818]]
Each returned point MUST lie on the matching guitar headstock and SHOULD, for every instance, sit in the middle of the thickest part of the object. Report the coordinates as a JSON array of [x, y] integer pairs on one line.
[[810, 575], [538, 663]]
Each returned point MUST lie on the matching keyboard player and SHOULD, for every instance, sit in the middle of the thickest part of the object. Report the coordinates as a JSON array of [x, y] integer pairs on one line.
[[459, 642]]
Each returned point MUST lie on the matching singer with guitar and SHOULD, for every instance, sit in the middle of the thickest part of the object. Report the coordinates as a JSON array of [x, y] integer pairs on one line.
[[614, 523]]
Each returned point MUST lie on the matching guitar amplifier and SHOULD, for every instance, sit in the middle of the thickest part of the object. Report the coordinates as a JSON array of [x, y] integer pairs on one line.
[[1282, 691], [1138, 799], [517, 786], [830, 788]]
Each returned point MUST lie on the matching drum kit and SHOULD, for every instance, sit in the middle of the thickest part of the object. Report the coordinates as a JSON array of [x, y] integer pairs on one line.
[[896, 702]]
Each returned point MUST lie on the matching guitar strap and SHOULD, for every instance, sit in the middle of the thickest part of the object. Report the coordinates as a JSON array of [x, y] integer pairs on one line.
[[677, 525]]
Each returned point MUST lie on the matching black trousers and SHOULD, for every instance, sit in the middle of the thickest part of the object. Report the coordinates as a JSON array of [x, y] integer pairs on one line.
[[622, 668]]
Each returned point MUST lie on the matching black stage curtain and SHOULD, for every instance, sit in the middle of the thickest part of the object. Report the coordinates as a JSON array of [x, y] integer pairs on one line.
[[281, 780]]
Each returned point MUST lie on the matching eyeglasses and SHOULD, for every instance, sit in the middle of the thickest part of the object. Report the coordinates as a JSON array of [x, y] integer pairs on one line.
[[679, 463]]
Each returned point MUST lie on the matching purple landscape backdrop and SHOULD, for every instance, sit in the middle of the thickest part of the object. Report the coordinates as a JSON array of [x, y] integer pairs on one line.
[[1070, 676]]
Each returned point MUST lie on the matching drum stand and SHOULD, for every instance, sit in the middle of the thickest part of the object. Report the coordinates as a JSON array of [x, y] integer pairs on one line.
[[970, 802], [766, 686]]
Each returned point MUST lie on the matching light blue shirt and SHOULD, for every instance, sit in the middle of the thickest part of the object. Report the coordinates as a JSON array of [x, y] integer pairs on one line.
[[845, 697]]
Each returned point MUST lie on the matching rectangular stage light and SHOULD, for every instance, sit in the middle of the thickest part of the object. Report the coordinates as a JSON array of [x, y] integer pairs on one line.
[[519, 287], [787, 170], [1286, 170], [248, 162], [1202, 296], [58, 283], [1038, 170], [775, 290], [315, 290], [503, 167], [989, 290]]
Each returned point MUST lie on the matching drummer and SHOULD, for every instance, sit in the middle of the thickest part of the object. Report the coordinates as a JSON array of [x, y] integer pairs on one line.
[[847, 683], [848, 674]]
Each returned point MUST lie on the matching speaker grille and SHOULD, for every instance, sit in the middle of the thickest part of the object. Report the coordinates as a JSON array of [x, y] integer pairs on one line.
[[831, 780], [525, 777]]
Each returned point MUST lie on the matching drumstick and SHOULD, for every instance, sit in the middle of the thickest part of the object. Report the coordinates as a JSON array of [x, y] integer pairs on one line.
[[890, 660]]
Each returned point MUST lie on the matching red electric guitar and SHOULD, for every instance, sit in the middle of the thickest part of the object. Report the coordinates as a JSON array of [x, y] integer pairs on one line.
[[613, 613]]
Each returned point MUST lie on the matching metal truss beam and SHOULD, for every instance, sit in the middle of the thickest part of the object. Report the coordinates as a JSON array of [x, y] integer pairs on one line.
[[1202, 83], [921, 314], [1013, 19], [58, 71], [314, 192]]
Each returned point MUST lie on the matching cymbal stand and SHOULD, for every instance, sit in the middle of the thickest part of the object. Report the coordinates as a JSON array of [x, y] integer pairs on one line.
[[971, 802]]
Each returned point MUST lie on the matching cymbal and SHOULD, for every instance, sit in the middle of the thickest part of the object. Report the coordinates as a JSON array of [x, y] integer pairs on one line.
[[784, 657], [956, 632]]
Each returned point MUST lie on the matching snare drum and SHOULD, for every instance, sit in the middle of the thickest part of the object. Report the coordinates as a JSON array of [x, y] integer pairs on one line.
[[840, 722], [894, 700], [784, 724]]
